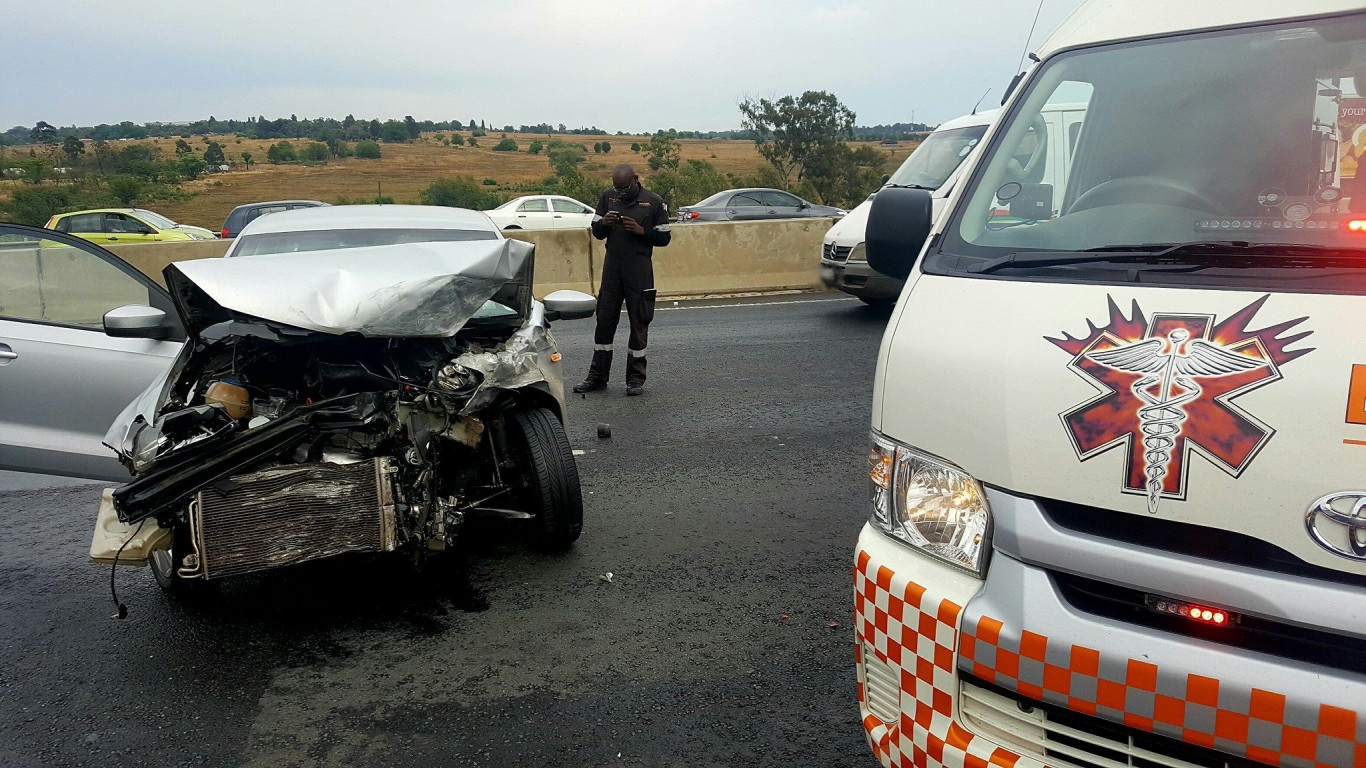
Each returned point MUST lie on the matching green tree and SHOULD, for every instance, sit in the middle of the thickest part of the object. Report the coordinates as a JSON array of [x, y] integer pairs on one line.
[[789, 131], [190, 166], [34, 205], [844, 176], [459, 192], [597, 147], [563, 155], [127, 189], [410, 125], [34, 168], [506, 145], [570, 181], [367, 150], [693, 181], [535, 148], [457, 140], [662, 152], [214, 155], [474, 142], [247, 157], [103, 154], [606, 147], [394, 132], [315, 152], [635, 146], [182, 147], [281, 152], [73, 148]]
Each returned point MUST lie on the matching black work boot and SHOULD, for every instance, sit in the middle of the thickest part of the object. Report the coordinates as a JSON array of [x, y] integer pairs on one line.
[[635, 375], [598, 371]]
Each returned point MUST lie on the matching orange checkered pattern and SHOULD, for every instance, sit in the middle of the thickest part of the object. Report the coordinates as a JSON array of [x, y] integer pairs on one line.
[[1261, 725], [913, 630]]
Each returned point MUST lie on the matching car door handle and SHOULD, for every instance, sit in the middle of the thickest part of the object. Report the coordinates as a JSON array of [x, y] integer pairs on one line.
[[111, 239], [558, 216], [732, 211], [7, 354]]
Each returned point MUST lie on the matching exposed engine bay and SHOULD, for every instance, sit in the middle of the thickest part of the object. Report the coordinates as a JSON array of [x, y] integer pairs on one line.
[[271, 444]]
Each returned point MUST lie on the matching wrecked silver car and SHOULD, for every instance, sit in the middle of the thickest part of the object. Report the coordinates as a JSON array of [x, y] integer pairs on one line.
[[363, 382]]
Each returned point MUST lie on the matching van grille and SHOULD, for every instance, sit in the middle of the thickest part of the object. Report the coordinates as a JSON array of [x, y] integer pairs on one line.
[[1071, 740], [293, 514], [832, 252]]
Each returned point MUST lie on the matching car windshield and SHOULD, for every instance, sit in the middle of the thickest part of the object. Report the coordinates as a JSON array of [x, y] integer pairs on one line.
[[155, 219], [931, 164], [333, 239], [1249, 136]]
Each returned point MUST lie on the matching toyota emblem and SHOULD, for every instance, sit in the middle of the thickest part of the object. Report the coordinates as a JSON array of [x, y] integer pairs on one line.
[[1337, 522]]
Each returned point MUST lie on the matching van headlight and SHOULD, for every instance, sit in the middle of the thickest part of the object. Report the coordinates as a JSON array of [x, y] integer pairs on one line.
[[929, 504], [858, 253]]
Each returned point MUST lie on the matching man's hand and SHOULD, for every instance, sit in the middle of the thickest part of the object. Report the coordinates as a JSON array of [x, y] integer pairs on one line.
[[632, 225]]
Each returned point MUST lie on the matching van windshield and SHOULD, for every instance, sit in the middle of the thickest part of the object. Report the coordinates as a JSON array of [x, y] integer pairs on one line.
[[1246, 140], [931, 164]]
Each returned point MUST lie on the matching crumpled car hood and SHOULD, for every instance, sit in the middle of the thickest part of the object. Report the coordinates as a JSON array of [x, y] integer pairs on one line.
[[408, 290]]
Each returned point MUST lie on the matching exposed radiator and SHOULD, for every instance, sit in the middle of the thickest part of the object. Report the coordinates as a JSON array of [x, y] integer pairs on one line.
[[293, 514]]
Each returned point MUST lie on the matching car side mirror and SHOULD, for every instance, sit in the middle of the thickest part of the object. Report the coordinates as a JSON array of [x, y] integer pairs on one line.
[[136, 321], [803, 206], [898, 224], [569, 305]]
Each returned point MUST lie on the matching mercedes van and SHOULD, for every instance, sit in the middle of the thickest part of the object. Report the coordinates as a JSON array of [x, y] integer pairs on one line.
[[1117, 472], [931, 167], [934, 166]]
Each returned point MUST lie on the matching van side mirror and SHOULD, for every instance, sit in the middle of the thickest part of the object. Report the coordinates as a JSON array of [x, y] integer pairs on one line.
[[886, 177], [134, 321], [898, 224], [569, 305]]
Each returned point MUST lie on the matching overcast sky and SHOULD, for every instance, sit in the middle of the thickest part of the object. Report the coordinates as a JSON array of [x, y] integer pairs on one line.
[[629, 66]]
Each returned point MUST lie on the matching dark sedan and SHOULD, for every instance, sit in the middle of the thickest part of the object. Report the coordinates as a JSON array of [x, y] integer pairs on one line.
[[243, 215], [753, 205]]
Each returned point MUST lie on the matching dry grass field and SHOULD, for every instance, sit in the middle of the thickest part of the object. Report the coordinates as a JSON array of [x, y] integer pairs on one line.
[[404, 169]]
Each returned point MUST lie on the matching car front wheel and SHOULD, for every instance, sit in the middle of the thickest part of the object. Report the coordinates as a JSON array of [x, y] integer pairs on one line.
[[551, 491]]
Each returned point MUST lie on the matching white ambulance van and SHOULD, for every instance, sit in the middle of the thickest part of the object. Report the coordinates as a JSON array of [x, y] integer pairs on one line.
[[1118, 460]]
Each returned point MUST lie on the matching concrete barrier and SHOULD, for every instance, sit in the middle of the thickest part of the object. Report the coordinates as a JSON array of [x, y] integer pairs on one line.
[[723, 257]]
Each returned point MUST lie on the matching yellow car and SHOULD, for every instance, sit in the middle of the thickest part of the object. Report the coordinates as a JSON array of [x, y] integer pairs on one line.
[[125, 225]]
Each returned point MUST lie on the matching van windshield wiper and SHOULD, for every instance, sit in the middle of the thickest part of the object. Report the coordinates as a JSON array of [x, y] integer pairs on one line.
[[910, 186], [1203, 253]]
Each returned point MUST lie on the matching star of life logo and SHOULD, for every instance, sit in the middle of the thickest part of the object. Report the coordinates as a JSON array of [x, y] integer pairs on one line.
[[1166, 389]]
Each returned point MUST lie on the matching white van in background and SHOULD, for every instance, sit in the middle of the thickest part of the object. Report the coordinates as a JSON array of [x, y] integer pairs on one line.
[[934, 166], [1116, 507]]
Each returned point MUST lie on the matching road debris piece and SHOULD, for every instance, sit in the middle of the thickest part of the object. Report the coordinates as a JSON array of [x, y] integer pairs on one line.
[[607, 577], [604, 431]]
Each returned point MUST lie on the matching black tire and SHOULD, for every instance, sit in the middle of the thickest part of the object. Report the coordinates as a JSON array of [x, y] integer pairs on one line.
[[552, 492], [163, 564]]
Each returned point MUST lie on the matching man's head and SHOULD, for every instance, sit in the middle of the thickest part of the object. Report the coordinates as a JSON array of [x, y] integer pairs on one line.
[[624, 179]]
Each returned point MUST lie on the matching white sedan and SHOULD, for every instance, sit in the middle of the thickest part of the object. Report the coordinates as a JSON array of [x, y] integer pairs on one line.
[[542, 212]]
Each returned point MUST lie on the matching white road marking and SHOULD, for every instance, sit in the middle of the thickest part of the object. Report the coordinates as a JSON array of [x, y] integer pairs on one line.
[[756, 304]]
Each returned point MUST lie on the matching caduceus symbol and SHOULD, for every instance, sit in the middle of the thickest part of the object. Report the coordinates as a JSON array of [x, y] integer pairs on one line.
[[1173, 365]]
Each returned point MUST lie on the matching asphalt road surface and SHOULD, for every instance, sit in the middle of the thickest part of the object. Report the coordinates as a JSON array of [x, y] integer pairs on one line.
[[725, 505]]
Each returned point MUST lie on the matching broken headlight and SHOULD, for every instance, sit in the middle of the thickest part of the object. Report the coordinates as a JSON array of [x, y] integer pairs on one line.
[[929, 504]]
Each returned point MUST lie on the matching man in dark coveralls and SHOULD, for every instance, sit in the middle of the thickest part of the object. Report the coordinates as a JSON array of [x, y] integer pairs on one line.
[[634, 221]]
